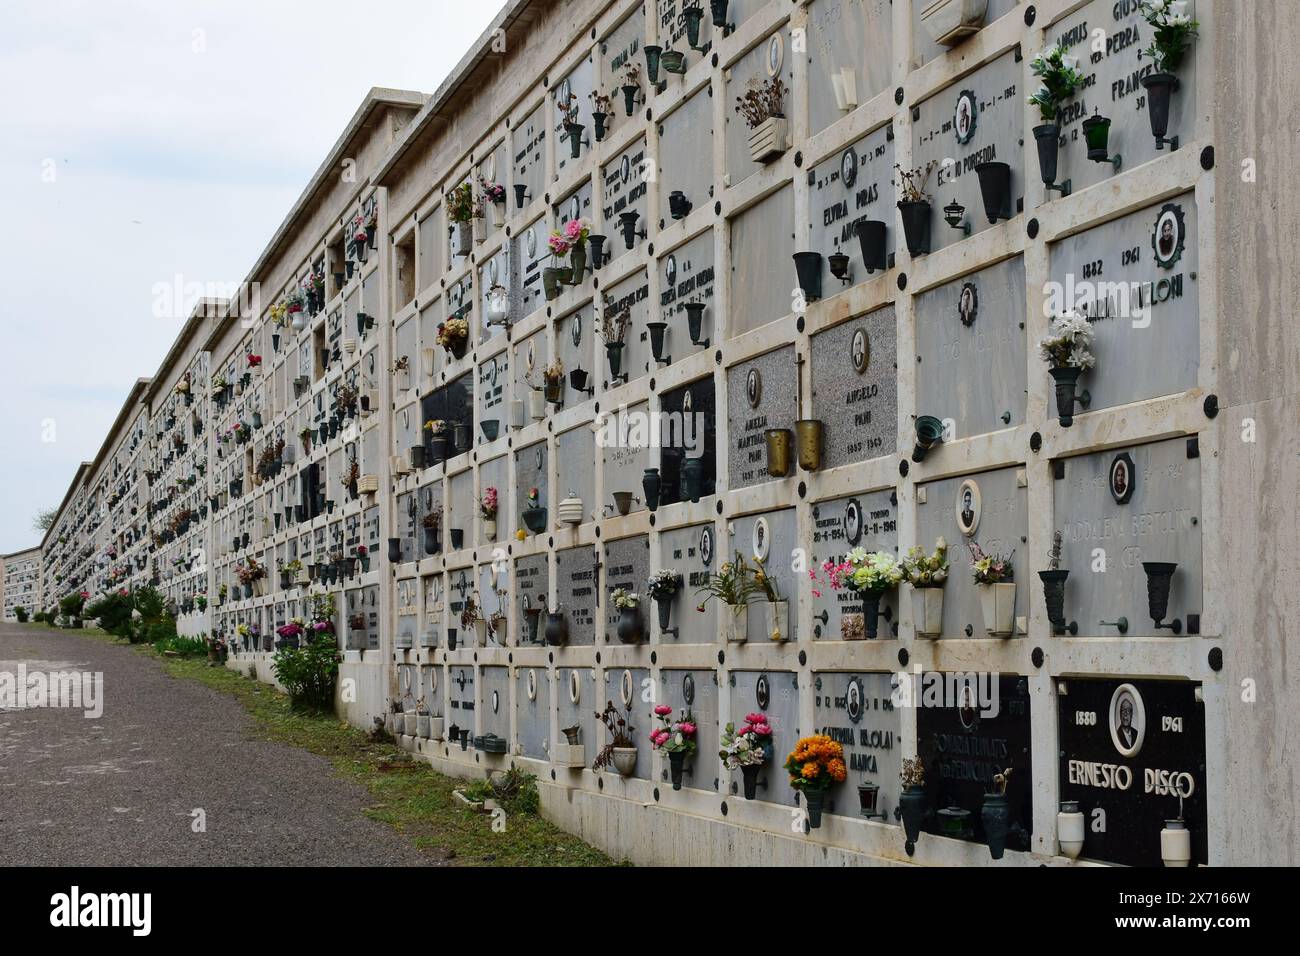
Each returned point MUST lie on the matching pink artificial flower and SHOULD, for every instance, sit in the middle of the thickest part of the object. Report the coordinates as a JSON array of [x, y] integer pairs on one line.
[[743, 729], [763, 730], [663, 710], [573, 229], [756, 718], [816, 593], [688, 728]]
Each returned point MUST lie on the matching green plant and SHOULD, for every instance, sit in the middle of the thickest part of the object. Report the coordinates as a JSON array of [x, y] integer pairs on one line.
[[114, 613], [72, 604], [732, 584], [1059, 77], [460, 203], [21, 614], [182, 646], [514, 790], [1174, 31], [308, 672]]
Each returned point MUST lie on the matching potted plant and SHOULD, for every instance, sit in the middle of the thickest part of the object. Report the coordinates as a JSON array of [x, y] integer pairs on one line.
[[453, 335], [534, 514], [914, 207], [776, 611], [1066, 350], [553, 382], [815, 765], [871, 575], [494, 196], [675, 738], [927, 574], [732, 585], [912, 801], [571, 239], [662, 588], [747, 748], [1173, 31], [460, 210], [471, 615], [487, 509], [763, 109], [620, 751], [1054, 584], [630, 628], [993, 573], [432, 524], [572, 128], [601, 108], [1059, 77]]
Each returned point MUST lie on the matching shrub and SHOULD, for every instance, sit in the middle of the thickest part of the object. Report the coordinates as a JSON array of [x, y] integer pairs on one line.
[[182, 646], [514, 790], [21, 614], [114, 613], [72, 604], [152, 608], [308, 672]]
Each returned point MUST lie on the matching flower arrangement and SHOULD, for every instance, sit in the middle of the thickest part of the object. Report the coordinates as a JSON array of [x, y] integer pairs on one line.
[[362, 551], [295, 301], [614, 325], [816, 764], [491, 192], [923, 570], [452, 333], [402, 364], [532, 499], [372, 218], [763, 582], [315, 281], [254, 361], [250, 571], [436, 426], [600, 103], [460, 203], [572, 235], [620, 732], [746, 745], [470, 613], [279, 314], [761, 102], [731, 584], [352, 474], [623, 598], [432, 519], [1066, 344], [1174, 30], [1059, 77], [989, 568], [861, 570], [912, 181], [183, 386], [673, 736], [359, 230], [663, 584], [913, 772], [293, 629], [487, 506], [553, 374]]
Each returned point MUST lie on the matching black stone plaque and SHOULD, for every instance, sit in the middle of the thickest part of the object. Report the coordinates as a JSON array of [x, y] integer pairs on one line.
[[1129, 750]]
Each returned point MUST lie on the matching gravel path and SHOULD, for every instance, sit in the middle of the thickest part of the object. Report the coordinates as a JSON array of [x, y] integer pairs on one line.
[[119, 790]]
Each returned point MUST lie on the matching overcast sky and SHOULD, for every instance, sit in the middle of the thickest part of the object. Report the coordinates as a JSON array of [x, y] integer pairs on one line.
[[140, 141]]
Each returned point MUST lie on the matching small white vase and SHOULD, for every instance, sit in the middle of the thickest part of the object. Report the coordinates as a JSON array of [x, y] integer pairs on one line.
[[998, 602], [1070, 829], [927, 611], [1176, 843], [732, 621]]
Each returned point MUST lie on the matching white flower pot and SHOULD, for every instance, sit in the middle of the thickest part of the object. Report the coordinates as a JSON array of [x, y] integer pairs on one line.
[[422, 726], [1176, 844], [517, 417], [498, 210], [775, 616], [625, 760], [409, 724], [435, 728], [733, 620], [950, 21], [574, 755], [927, 611], [1070, 830], [998, 602], [480, 633], [537, 404], [480, 229], [367, 484], [769, 139], [489, 530], [570, 510]]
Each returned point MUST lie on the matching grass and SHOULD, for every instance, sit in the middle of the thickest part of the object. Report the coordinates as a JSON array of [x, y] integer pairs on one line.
[[409, 795]]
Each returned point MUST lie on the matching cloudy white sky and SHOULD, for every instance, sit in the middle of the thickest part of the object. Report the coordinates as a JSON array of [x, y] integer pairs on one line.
[[144, 140]]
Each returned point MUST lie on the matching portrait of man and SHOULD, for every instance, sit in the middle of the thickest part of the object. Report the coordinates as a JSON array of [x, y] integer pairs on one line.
[[853, 700], [1121, 478], [967, 304], [860, 350], [849, 168], [1127, 720], [753, 387], [670, 271], [968, 507], [1168, 235], [964, 119]]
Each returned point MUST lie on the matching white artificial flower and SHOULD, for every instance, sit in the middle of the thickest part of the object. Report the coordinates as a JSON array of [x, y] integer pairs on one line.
[[1070, 62], [1080, 357], [1157, 6], [1178, 8]]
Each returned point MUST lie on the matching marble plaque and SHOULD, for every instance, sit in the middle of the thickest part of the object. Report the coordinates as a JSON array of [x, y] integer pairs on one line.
[[760, 395], [626, 455], [771, 56], [990, 509], [979, 119], [775, 693], [530, 472], [461, 699], [633, 296], [771, 536], [575, 344], [763, 284], [431, 687], [855, 184], [868, 521], [528, 149], [577, 587], [529, 358], [686, 275], [1135, 280], [1113, 88], [1133, 755], [493, 375], [964, 746], [698, 691], [850, 53], [627, 566], [970, 340], [624, 192], [694, 553], [578, 84], [855, 388], [616, 682], [685, 152], [621, 48], [857, 712], [494, 702], [462, 508], [495, 271], [533, 712], [531, 591], [532, 253], [575, 451], [576, 205], [1118, 509], [576, 704]]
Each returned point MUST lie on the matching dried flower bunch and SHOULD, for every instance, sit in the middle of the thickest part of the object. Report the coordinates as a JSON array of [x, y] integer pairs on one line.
[[989, 568], [600, 103], [620, 734], [1054, 555], [852, 627], [460, 203], [913, 772], [553, 374], [1059, 77], [452, 332], [614, 324], [432, 519], [761, 101], [912, 181], [1066, 344]]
